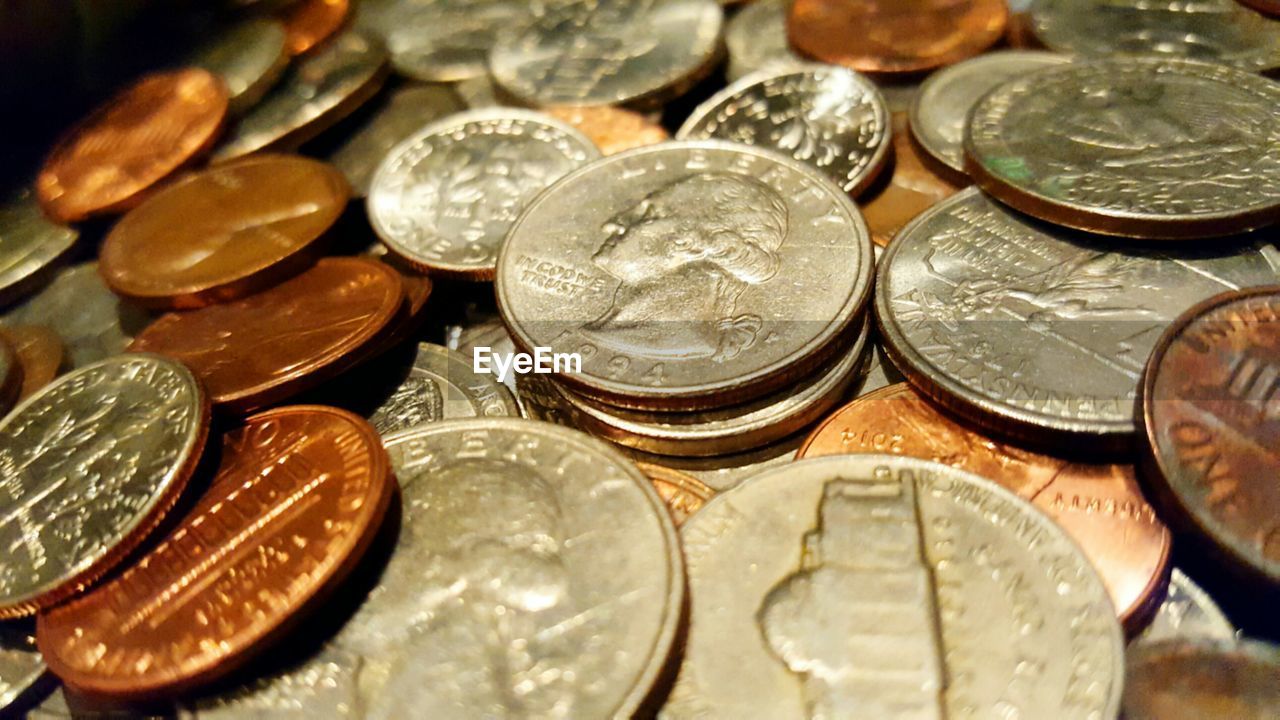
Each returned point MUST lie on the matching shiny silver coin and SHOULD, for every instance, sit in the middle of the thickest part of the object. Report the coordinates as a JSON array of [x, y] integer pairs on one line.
[[21, 666], [1136, 147], [442, 385], [756, 39], [444, 198], [1199, 678], [1187, 612], [447, 40], [1216, 30], [829, 117], [250, 57], [940, 110], [888, 587], [29, 244], [1036, 332], [608, 51]]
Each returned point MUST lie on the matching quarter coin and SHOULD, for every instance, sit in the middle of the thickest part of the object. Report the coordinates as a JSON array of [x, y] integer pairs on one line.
[[30, 245], [1201, 678], [311, 22], [250, 57], [1187, 612], [442, 385]]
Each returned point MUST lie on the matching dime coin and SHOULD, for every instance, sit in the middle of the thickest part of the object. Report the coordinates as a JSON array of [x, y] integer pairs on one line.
[[405, 110], [448, 40], [442, 385], [444, 198], [39, 352], [1211, 421], [296, 501], [608, 52], [1187, 612], [611, 129], [10, 375], [756, 38], [311, 22], [266, 347], [882, 586], [890, 36], [942, 106], [683, 494], [1202, 678], [314, 95], [1100, 506], [1133, 147], [88, 467], [1034, 331], [829, 117], [20, 664], [250, 57], [29, 245], [136, 139], [1217, 30], [686, 275], [912, 188], [223, 233]]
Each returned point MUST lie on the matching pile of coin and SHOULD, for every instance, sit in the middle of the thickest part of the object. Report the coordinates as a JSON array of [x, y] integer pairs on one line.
[[880, 359]]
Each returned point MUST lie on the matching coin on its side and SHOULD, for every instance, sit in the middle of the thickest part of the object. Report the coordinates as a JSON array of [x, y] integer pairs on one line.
[[1036, 332], [1136, 147], [29, 245], [683, 494], [445, 197], [756, 39], [912, 188], [442, 384], [1187, 612], [298, 496], [89, 466], [448, 40], [883, 586], [223, 233], [686, 275], [21, 666], [829, 117], [250, 57], [612, 129], [39, 351], [1202, 678], [1210, 411]]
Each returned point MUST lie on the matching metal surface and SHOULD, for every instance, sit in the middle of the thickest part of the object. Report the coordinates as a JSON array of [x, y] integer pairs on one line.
[[442, 385]]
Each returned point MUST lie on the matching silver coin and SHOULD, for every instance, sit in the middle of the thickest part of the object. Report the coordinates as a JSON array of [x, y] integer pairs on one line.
[[536, 574], [442, 385], [88, 466], [1216, 30], [829, 117], [445, 197], [1187, 612], [29, 244], [608, 51], [21, 666], [1035, 331], [405, 110], [250, 57], [880, 586], [1198, 678], [689, 274], [1137, 147], [448, 40], [723, 472], [756, 38], [317, 92], [941, 108]]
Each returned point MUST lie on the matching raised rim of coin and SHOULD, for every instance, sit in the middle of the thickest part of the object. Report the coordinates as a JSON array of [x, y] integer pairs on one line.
[[21, 217]]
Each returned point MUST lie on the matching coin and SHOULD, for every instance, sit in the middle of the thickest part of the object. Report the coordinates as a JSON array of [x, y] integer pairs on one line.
[[20, 664], [316, 93], [1201, 678], [261, 349], [829, 117], [223, 233], [1270, 7], [1187, 611], [88, 467], [448, 40], [883, 586], [311, 22], [404, 110], [1134, 147], [10, 375], [1036, 332], [608, 52], [686, 275], [1217, 30], [39, 351], [442, 385], [250, 57], [756, 38], [942, 106], [138, 138], [611, 129], [890, 36], [298, 496], [912, 188], [445, 197], [1210, 411], [29, 245], [683, 494]]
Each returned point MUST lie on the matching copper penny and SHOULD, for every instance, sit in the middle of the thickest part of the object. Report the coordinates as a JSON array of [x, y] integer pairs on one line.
[[1210, 404], [263, 348], [10, 375], [136, 139], [223, 233], [40, 354], [683, 494], [612, 129], [911, 189], [296, 501], [1100, 506], [311, 22], [895, 36]]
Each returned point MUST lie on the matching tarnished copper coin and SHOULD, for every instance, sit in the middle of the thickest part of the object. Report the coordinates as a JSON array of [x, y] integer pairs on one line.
[[311, 22], [683, 494], [297, 499], [895, 36], [1202, 678], [39, 351], [1100, 506], [912, 188], [612, 129], [268, 346], [1210, 406], [136, 139], [10, 375]]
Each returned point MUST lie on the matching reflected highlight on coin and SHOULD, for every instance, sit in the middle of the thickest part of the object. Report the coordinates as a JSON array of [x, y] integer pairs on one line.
[[249, 57], [1201, 678]]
